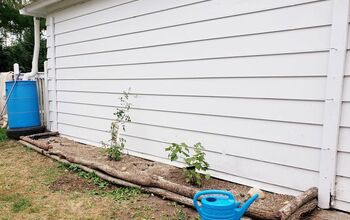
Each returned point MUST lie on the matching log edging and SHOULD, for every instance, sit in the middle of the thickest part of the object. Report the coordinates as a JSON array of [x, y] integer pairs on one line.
[[303, 203]]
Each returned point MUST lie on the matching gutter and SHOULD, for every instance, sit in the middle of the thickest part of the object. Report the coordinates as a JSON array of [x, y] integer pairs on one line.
[[37, 8], [41, 8]]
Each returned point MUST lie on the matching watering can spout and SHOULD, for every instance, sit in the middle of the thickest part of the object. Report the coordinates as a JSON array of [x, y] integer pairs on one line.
[[246, 205]]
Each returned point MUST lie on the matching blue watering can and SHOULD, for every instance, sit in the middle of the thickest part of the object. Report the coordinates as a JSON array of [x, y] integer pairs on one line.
[[220, 204]]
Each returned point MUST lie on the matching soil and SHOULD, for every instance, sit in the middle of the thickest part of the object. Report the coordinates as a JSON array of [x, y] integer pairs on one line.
[[134, 164], [320, 214], [71, 183], [160, 208]]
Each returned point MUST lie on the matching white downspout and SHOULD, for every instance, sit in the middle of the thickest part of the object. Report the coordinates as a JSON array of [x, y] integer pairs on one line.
[[36, 50], [16, 70]]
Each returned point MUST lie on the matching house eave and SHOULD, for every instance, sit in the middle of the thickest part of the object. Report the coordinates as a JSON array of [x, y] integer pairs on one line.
[[43, 7]]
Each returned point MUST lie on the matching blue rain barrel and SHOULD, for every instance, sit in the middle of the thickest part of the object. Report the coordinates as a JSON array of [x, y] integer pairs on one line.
[[23, 104]]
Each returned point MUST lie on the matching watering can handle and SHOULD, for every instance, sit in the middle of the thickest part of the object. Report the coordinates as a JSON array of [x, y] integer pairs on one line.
[[210, 192]]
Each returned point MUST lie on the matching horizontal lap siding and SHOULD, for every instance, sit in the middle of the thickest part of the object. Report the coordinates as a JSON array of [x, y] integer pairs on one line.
[[343, 161], [245, 78], [288, 65], [303, 111], [239, 25], [343, 172], [298, 134], [205, 11], [297, 41], [278, 88], [215, 142]]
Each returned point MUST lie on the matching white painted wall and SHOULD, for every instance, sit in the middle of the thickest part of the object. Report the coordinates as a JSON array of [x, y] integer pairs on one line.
[[247, 78], [342, 199]]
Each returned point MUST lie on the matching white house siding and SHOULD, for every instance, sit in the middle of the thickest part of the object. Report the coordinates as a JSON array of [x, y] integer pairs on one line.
[[343, 171], [244, 77]]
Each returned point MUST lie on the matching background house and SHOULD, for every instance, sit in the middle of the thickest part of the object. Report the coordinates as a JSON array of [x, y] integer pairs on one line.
[[263, 84]]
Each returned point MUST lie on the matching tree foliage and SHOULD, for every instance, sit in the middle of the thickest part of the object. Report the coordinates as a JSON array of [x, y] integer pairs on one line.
[[21, 30], [10, 19]]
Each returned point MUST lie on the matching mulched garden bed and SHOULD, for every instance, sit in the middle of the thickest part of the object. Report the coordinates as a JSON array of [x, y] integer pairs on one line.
[[164, 180]]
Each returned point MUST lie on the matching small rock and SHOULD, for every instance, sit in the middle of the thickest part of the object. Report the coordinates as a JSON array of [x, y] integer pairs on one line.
[[254, 191], [123, 169], [285, 202]]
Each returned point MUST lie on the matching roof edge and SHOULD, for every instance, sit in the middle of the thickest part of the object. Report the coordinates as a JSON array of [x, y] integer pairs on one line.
[[43, 7], [38, 8]]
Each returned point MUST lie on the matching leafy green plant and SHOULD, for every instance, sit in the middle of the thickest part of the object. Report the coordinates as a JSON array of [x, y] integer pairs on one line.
[[195, 163], [92, 177], [116, 144], [125, 193]]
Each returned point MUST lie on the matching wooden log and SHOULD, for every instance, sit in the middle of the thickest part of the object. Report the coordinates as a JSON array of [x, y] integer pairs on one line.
[[160, 192], [160, 182], [36, 143], [136, 178], [169, 195], [99, 174], [33, 147], [44, 134], [297, 202], [304, 210], [87, 169]]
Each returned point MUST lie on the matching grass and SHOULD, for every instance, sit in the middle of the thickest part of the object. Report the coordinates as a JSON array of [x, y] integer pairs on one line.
[[3, 136], [25, 192], [181, 215], [20, 205]]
